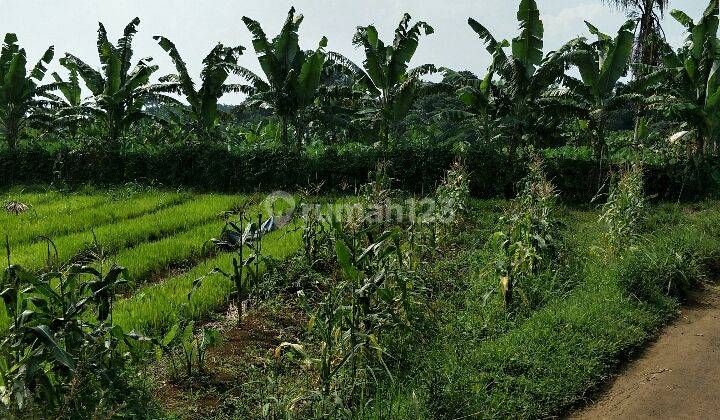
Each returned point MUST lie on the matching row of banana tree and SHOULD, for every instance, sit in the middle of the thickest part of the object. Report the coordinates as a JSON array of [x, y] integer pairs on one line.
[[525, 93]]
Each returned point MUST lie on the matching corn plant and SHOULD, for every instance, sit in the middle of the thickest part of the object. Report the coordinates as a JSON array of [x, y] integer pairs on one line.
[[626, 206], [453, 198], [529, 233], [369, 294], [186, 349], [245, 270], [57, 326], [315, 233]]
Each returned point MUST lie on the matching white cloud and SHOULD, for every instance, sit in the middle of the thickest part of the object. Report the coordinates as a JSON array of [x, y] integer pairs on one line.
[[569, 22]]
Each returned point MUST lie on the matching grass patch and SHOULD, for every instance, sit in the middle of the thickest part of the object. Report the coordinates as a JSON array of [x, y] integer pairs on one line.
[[537, 365]]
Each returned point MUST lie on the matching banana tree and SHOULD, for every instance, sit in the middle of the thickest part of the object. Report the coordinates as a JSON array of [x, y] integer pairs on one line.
[[525, 76], [202, 111], [66, 103], [293, 75], [18, 89], [390, 87], [691, 79], [601, 65], [119, 91], [477, 97]]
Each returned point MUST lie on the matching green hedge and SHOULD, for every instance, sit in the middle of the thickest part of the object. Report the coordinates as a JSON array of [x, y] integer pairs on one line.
[[417, 168]]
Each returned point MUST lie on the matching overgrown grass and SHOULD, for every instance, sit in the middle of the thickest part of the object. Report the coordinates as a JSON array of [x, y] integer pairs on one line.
[[537, 365]]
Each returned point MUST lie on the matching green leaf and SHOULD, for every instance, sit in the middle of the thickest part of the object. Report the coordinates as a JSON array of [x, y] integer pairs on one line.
[[266, 55], [170, 336], [41, 67], [43, 333], [617, 60], [309, 77], [15, 77], [595, 31], [345, 260], [683, 18], [374, 63], [286, 44], [186, 82], [405, 46], [527, 47], [92, 78]]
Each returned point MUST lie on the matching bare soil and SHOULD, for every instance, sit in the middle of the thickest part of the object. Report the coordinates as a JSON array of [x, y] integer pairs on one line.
[[677, 377]]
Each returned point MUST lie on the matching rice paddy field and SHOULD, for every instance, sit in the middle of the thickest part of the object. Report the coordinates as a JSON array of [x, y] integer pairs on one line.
[[159, 237]]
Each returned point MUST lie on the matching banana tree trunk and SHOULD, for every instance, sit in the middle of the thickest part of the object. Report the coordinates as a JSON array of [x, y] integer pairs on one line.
[[11, 134], [385, 134], [285, 129], [300, 132], [515, 141]]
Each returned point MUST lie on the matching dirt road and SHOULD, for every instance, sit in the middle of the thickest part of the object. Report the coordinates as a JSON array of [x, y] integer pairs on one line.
[[676, 377]]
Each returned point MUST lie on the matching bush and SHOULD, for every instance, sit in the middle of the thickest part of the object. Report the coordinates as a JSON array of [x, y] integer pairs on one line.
[[416, 168]]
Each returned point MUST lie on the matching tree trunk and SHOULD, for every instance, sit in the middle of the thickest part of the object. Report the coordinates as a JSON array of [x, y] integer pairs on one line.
[[386, 136], [11, 135], [515, 141], [284, 136]]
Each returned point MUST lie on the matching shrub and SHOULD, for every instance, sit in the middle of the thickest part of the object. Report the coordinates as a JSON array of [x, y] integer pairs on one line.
[[414, 167]]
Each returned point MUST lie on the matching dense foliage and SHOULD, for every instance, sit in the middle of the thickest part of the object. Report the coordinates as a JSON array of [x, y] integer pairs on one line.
[[372, 303], [317, 100]]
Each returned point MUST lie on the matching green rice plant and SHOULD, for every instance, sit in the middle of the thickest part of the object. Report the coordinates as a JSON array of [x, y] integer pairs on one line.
[[40, 213], [128, 233], [626, 207], [150, 258], [154, 308], [89, 218], [32, 198], [38, 216]]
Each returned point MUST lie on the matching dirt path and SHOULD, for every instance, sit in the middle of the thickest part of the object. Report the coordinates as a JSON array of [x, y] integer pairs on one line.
[[678, 376]]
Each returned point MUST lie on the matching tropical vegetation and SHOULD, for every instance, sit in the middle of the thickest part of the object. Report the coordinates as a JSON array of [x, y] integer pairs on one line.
[[451, 245]]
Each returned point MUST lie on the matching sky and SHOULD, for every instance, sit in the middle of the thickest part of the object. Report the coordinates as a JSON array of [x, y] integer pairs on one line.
[[195, 26]]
